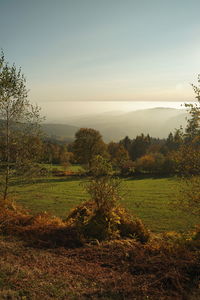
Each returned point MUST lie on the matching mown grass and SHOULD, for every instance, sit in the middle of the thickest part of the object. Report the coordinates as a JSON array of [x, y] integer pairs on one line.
[[153, 199], [149, 198]]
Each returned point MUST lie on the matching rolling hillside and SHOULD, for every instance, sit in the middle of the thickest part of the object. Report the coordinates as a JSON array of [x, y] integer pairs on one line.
[[60, 131], [158, 122]]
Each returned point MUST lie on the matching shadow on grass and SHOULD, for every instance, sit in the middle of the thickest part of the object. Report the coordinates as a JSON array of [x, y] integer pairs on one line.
[[28, 181], [46, 180], [148, 176]]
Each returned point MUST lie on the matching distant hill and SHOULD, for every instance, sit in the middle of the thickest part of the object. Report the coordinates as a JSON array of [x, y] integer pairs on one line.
[[158, 122], [60, 131]]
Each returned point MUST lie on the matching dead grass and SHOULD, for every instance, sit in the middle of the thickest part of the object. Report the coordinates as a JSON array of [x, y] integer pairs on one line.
[[112, 270], [83, 224], [61, 266]]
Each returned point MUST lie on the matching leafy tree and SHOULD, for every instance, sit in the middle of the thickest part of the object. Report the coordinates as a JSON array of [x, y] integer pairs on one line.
[[154, 148], [139, 146], [118, 154], [188, 195], [88, 143], [127, 168], [174, 141], [193, 123], [19, 127], [56, 153], [187, 158], [100, 167], [126, 142], [151, 163]]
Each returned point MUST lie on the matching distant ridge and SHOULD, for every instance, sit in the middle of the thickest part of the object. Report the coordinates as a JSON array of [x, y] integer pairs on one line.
[[158, 122], [60, 131]]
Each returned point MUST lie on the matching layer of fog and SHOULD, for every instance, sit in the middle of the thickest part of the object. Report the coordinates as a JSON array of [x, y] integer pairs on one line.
[[64, 112]]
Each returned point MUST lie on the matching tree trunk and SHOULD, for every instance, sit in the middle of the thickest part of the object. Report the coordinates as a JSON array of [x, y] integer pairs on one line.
[[5, 192]]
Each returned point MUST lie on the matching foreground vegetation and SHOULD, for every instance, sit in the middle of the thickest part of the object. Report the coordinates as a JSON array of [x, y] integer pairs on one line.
[[39, 259], [115, 270]]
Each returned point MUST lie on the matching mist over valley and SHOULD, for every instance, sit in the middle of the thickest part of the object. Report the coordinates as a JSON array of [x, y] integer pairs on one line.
[[115, 125]]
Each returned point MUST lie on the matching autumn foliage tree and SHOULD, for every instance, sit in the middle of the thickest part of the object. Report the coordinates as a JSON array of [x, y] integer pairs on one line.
[[193, 123], [140, 146], [88, 143], [187, 155], [187, 158], [118, 154], [19, 127], [150, 163]]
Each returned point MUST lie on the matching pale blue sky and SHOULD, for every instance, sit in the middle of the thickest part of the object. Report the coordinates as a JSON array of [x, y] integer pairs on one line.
[[104, 50]]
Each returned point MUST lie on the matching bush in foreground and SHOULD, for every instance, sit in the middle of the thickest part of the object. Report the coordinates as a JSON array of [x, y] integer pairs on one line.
[[84, 223], [102, 218], [94, 223]]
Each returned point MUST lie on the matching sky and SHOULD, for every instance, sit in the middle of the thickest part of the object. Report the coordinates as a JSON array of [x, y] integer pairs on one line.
[[103, 51]]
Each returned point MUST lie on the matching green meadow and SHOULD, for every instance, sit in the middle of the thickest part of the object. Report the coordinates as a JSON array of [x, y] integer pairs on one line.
[[151, 199]]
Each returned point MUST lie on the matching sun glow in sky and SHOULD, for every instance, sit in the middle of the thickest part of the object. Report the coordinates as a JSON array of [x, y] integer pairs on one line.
[[108, 50]]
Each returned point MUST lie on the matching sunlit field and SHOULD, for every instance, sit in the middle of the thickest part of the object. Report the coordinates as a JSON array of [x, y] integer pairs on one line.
[[151, 199]]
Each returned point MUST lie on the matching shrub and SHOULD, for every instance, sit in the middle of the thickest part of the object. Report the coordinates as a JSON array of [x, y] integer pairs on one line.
[[133, 228], [105, 192], [127, 168], [186, 160], [94, 223], [102, 218], [100, 166], [42, 230], [151, 163]]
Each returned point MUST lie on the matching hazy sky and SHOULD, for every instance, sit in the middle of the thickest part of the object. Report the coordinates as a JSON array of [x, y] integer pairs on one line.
[[103, 50]]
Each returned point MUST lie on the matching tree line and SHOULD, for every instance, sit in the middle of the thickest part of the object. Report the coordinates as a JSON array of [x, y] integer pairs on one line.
[[177, 154]]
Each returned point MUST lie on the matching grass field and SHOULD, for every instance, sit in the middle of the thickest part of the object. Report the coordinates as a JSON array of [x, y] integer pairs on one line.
[[148, 198]]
